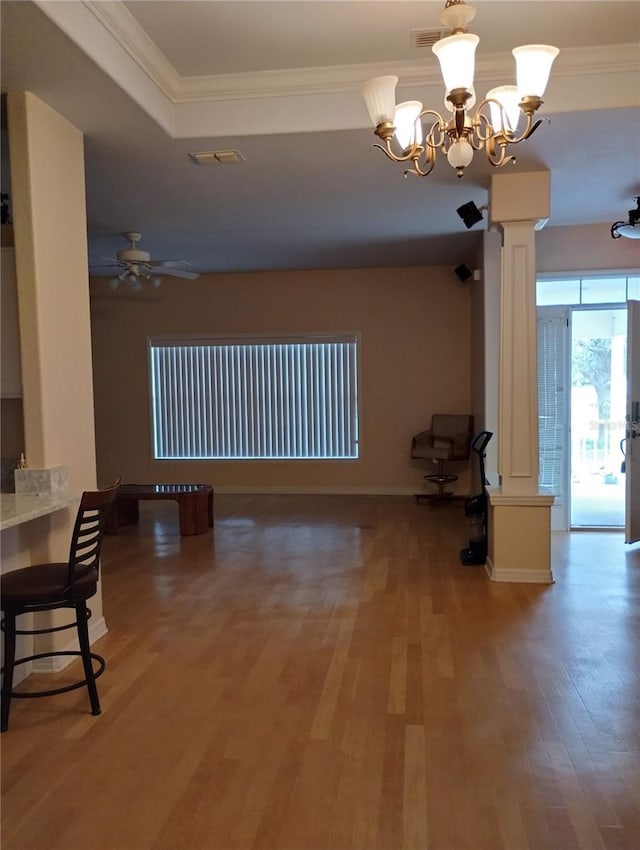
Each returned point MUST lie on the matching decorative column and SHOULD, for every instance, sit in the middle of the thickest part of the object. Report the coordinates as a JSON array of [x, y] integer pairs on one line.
[[520, 512], [48, 198]]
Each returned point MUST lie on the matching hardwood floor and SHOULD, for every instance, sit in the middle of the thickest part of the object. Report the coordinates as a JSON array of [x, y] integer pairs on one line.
[[321, 673]]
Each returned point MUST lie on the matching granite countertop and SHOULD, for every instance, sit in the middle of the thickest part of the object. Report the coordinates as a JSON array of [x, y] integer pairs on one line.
[[16, 509]]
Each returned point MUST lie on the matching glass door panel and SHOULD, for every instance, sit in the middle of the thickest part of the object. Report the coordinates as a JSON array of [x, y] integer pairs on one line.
[[553, 409], [598, 404]]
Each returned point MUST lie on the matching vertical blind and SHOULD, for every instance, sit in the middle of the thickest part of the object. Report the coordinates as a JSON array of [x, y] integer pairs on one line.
[[552, 401], [258, 399]]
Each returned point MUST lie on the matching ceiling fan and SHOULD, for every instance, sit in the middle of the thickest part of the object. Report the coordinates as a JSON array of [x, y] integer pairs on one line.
[[136, 265], [630, 228]]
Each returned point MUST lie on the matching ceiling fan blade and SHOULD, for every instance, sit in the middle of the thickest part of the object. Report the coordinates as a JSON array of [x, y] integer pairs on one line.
[[172, 264], [169, 272]]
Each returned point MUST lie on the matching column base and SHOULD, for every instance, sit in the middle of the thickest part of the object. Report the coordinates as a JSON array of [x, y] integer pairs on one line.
[[519, 537]]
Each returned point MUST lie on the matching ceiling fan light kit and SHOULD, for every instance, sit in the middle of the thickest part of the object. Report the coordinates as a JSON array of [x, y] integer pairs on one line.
[[136, 265], [630, 228], [493, 126]]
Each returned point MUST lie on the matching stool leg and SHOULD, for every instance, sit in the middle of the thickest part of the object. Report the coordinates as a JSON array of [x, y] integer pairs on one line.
[[85, 649], [9, 663]]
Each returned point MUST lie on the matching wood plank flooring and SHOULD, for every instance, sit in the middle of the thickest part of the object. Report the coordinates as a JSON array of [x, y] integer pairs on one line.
[[321, 673]]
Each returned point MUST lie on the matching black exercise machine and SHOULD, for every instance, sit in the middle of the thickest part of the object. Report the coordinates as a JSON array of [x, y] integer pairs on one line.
[[476, 509]]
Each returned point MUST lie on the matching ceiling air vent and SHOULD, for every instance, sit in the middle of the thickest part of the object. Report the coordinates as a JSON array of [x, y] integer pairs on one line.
[[425, 38], [217, 157]]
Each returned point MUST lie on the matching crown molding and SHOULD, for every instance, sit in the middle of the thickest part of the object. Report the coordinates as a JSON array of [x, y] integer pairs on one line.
[[309, 99], [573, 62], [127, 32]]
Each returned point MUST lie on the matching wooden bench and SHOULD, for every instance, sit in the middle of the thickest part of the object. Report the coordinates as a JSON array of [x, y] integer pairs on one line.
[[195, 505]]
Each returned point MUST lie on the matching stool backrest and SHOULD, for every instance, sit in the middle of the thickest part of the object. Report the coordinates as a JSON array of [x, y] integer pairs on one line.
[[88, 531], [457, 427]]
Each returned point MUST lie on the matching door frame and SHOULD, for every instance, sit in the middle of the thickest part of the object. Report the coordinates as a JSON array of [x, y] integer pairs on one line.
[[632, 430]]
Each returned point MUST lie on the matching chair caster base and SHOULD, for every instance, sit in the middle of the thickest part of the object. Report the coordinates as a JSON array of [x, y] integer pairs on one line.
[[433, 498]]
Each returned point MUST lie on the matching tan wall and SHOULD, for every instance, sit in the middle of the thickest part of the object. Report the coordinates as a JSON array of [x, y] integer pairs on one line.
[[587, 247], [415, 360], [49, 217], [47, 176]]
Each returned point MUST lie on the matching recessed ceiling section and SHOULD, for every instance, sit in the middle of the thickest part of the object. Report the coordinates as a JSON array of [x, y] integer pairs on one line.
[[294, 67], [262, 35]]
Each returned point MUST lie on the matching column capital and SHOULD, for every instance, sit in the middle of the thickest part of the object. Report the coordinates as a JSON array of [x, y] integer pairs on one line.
[[520, 197]]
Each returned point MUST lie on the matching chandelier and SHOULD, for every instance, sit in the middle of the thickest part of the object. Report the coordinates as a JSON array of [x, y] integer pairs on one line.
[[494, 124]]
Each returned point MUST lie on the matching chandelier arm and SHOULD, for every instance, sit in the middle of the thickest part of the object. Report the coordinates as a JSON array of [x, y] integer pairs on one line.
[[480, 120], [386, 150], [478, 140], [492, 145], [504, 160], [514, 139], [511, 137], [430, 161], [439, 124]]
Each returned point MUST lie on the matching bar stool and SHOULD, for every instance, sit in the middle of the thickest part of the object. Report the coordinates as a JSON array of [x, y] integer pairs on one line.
[[448, 439], [44, 587]]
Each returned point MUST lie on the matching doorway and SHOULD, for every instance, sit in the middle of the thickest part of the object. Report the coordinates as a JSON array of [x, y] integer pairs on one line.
[[582, 383]]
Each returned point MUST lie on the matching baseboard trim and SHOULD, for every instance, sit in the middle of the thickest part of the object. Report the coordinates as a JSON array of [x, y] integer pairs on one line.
[[296, 490], [515, 576], [54, 664]]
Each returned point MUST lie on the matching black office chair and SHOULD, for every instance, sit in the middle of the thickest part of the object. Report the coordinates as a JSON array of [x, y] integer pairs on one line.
[[448, 439], [44, 587]]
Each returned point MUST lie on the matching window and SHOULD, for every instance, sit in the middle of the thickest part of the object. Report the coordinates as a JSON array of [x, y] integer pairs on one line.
[[254, 398], [589, 289]]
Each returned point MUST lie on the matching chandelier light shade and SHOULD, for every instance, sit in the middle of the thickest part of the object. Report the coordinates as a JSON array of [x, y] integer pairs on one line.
[[408, 128], [457, 57], [414, 135], [380, 96], [533, 66], [504, 107]]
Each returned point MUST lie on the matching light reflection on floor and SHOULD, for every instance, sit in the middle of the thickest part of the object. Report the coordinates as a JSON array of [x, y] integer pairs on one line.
[[597, 502]]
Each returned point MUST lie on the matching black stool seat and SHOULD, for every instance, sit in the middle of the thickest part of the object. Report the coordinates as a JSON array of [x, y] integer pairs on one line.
[[45, 587], [41, 585]]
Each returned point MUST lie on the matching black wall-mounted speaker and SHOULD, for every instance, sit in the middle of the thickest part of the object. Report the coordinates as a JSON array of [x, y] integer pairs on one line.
[[470, 214], [463, 272]]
